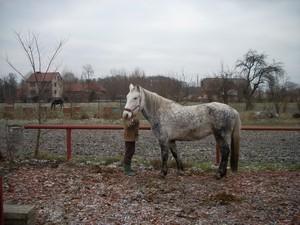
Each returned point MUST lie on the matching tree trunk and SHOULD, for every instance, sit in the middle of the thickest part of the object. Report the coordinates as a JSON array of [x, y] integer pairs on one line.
[[285, 105], [225, 98], [277, 107], [249, 104], [71, 106], [38, 135], [37, 143]]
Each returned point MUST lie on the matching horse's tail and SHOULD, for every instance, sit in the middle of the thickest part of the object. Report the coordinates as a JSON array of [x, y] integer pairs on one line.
[[235, 145]]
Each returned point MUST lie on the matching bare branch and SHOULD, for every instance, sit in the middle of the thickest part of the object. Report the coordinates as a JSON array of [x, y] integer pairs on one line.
[[32, 57], [25, 49], [38, 51], [56, 52], [57, 67], [14, 68]]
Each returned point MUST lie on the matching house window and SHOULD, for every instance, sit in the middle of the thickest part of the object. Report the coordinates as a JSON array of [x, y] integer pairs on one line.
[[55, 84], [55, 92]]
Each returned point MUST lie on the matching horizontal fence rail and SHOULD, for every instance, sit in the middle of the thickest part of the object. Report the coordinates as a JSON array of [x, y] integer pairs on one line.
[[143, 127], [70, 127]]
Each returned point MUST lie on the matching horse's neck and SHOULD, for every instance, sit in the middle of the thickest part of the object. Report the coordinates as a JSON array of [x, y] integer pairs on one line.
[[152, 105]]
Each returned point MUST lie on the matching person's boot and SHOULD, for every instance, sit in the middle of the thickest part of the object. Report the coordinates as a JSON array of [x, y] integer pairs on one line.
[[128, 171]]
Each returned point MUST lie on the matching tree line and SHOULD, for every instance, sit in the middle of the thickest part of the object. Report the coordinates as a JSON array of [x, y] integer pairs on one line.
[[260, 77], [271, 86], [252, 78]]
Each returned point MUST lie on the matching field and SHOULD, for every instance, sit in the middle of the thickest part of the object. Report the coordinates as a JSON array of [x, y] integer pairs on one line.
[[110, 112], [92, 189], [66, 193]]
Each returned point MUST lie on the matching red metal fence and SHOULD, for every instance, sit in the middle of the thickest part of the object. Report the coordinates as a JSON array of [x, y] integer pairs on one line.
[[70, 127]]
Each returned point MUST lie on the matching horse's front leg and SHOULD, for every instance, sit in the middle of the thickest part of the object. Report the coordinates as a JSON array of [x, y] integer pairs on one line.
[[164, 158]]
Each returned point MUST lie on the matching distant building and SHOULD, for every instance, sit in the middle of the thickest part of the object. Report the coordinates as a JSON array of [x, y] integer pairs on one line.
[[50, 86], [82, 92], [212, 89]]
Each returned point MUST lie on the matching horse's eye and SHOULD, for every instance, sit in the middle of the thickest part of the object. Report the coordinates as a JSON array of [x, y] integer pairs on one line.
[[135, 98]]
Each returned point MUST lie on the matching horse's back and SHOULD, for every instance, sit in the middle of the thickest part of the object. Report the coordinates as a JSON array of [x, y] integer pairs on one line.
[[220, 108], [222, 116], [197, 121]]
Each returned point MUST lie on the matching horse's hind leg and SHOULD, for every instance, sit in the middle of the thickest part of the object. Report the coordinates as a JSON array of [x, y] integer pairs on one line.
[[225, 150], [176, 156], [164, 158]]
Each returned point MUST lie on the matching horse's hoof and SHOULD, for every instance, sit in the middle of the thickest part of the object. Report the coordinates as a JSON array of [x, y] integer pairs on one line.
[[180, 173], [163, 174], [220, 175]]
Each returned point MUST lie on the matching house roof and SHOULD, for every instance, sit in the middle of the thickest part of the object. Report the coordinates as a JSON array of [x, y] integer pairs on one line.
[[46, 77], [78, 87]]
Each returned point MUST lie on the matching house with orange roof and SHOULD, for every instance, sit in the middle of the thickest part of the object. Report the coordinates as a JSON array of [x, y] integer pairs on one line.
[[44, 86], [82, 91]]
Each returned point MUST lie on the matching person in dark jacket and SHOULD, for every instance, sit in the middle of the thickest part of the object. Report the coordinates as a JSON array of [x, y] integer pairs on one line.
[[131, 132]]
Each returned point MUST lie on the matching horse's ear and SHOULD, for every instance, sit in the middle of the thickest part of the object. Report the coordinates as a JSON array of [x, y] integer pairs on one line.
[[131, 87]]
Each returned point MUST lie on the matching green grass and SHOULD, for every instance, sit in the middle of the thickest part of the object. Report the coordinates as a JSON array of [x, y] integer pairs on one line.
[[49, 156], [269, 166], [209, 167], [89, 110], [96, 160], [79, 159], [204, 166], [156, 163]]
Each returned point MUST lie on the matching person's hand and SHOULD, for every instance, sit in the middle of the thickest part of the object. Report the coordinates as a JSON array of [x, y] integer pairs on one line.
[[132, 122]]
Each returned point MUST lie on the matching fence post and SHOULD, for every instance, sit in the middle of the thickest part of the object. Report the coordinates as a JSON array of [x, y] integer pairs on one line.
[[121, 110], [69, 143], [14, 140]]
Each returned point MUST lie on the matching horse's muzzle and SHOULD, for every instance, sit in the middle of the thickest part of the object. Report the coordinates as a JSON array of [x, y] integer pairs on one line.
[[127, 114]]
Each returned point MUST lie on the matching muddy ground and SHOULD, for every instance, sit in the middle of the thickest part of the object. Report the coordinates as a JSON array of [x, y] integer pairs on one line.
[[79, 194]]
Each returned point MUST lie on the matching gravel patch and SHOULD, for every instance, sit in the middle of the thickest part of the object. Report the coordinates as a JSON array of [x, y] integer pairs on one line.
[[256, 146]]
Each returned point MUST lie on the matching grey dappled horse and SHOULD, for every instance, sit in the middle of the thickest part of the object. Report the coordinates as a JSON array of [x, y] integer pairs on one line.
[[171, 122]]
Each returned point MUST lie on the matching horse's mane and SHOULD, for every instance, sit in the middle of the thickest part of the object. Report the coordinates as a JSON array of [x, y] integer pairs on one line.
[[154, 101]]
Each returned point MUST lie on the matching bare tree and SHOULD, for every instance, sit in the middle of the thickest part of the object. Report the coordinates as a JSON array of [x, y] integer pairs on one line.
[[8, 88], [277, 85], [225, 83], [31, 48], [254, 68], [88, 72], [69, 77], [293, 92]]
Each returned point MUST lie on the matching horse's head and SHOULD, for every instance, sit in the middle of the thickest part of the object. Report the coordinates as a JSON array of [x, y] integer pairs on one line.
[[133, 102]]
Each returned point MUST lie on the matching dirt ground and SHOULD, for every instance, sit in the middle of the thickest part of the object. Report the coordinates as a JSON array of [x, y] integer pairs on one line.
[[79, 194]]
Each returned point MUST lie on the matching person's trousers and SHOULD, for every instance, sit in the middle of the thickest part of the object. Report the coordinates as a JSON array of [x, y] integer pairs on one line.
[[129, 151]]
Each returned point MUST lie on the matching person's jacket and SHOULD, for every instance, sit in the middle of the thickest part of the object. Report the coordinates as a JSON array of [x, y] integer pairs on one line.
[[131, 129]]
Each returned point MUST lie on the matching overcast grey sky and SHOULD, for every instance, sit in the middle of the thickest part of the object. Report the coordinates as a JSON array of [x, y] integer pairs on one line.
[[160, 37]]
